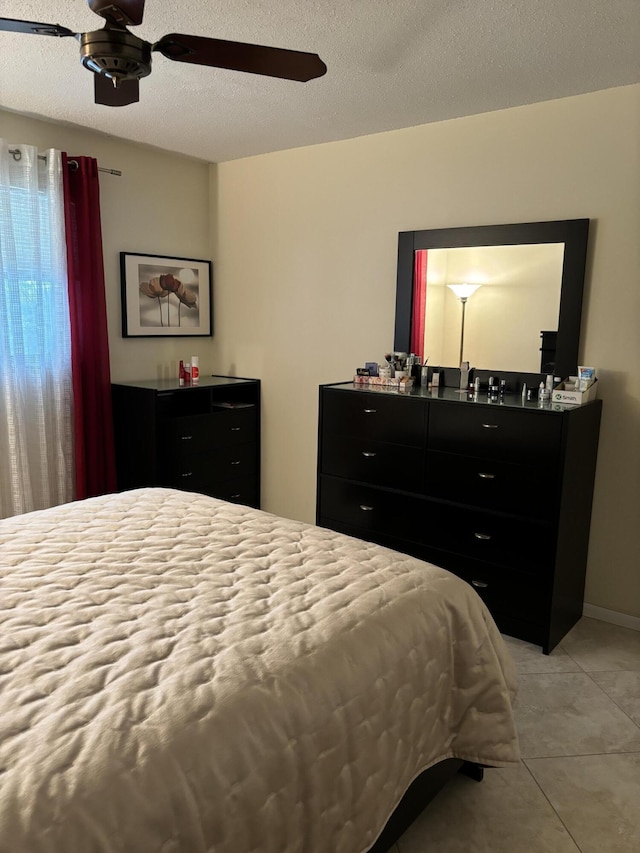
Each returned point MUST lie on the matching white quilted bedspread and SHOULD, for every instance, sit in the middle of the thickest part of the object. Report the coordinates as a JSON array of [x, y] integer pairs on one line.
[[182, 674]]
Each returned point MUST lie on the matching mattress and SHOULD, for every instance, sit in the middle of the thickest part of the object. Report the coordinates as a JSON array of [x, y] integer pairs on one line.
[[179, 673]]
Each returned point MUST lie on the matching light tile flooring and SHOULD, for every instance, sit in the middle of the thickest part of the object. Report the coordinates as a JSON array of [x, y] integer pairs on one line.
[[577, 787]]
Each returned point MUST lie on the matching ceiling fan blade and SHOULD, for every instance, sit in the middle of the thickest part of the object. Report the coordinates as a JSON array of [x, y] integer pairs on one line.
[[120, 12], [126, 92], [13, 26], [238, 56]]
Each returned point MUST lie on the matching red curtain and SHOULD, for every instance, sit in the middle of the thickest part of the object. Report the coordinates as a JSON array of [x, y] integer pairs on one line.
[[419, 302], [93, 423]]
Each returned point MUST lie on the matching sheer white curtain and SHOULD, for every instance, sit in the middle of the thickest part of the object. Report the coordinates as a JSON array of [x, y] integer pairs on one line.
[[36, 428]]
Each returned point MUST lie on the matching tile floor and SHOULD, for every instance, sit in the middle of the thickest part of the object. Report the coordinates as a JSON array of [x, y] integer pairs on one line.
[[577, 788]]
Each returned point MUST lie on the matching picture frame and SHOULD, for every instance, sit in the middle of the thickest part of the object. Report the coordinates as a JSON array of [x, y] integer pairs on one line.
[[165, 296]]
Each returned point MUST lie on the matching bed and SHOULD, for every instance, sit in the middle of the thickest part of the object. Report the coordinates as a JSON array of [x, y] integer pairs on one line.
[[178, 673]]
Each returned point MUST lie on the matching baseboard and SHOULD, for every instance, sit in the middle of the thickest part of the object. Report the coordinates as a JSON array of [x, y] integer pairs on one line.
[[612, 616]]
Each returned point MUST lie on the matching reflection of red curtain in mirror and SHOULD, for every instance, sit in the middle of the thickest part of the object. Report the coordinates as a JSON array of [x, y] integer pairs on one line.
[[419, 302]]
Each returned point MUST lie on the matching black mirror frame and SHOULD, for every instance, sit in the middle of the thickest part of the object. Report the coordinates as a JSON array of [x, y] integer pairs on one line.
[[574, 233]]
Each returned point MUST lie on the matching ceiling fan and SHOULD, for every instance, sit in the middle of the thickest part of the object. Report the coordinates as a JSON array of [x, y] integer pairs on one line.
[[119, 59]]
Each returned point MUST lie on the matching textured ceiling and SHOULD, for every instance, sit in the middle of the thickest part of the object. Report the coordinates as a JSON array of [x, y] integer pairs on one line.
[[391, 64]]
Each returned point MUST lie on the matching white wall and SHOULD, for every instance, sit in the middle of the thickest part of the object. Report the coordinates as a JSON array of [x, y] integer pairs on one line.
[[160, 205], [306, 262]]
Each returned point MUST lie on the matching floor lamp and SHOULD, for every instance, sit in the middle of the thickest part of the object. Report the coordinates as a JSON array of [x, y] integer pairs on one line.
[[463, 292]]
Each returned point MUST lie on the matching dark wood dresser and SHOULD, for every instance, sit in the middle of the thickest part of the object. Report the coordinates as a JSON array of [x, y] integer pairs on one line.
[[200, 438], [498, 492]]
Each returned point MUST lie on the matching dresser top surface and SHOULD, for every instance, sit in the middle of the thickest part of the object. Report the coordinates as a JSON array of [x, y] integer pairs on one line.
[[453, 395], [173, 385]]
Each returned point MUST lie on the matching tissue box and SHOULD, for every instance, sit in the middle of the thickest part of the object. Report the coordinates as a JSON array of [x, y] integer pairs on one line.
[[574, 398]]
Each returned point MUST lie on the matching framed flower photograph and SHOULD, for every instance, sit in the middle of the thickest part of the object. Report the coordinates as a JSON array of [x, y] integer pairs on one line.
[[164, 297]]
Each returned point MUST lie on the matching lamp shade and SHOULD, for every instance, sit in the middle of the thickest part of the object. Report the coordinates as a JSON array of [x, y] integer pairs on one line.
[[464, 291]]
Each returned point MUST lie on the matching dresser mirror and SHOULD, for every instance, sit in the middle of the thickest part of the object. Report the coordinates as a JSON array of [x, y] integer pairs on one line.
[[524, 313]]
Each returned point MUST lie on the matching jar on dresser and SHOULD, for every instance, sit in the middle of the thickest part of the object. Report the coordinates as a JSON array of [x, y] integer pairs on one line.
[[201, 438], [497, 491]]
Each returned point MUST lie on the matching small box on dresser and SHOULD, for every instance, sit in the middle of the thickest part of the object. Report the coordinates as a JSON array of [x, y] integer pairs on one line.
[[498, 493]]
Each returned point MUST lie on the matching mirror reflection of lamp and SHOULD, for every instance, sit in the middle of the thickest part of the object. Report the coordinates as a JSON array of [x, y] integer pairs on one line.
[[463, 292]]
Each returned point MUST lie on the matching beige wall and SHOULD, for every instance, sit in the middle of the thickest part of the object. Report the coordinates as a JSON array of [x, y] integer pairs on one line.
[[159, 206], [306, 264]]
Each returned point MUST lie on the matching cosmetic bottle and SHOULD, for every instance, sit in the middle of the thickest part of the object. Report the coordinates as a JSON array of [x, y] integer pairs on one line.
[[503, 388], [544, 395], [464, 375], [424, 376], [195, 370], [181, 373], [187, 373]]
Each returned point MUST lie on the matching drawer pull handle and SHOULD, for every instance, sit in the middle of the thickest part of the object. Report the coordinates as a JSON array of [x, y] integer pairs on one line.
[[368, 454], [490, 426], [370, 411], [236, 462], [236, 429], [366, 508], [186, 437], [233, 497], [187, 474], [485, 476], [479, 584], [482, 536]]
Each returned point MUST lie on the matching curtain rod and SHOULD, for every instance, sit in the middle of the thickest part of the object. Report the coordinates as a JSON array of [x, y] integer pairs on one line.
[[17, 155]]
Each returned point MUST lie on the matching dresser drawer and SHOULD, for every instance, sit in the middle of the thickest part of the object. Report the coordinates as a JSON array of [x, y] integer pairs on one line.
[[243, 490], [490, 432], [378, 417], [528, 490], [197, 471], [500, 539], [518, 595], [371, 510], [198, 433], [374, 462]]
